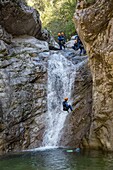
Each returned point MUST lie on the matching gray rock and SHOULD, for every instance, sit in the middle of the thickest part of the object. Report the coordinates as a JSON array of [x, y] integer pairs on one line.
[[4, 35], [19, 19], [95, 28], [23, 87]]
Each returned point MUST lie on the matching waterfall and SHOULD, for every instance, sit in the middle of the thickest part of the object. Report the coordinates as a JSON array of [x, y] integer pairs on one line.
[[61, 74]]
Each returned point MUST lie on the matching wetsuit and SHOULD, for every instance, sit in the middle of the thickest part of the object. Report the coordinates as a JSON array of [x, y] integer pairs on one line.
[[66, 106]]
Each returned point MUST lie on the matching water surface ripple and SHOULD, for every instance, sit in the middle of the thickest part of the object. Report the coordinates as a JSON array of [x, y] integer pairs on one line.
[[57, 159]]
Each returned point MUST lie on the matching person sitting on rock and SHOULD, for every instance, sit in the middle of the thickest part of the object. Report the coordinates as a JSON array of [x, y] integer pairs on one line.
[[66, 106], [79, 45], [76, 45]]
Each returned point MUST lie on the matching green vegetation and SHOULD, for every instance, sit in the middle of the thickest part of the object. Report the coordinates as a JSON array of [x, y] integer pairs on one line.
[[56, 15]]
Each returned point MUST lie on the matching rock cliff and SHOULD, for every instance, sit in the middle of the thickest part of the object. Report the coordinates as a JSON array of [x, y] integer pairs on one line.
[[23, 88], [94, 24], [78, 122]]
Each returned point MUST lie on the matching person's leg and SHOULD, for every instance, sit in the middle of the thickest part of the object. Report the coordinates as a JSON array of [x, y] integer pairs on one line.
[[66, 109], [60, 46], [78, 45], [73, 47], [84, 51], [63, 46], [70, 107]]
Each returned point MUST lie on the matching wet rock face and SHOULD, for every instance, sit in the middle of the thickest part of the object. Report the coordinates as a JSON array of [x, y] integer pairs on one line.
[[18, 19], [78, 123], [95, 27], [23, 83]]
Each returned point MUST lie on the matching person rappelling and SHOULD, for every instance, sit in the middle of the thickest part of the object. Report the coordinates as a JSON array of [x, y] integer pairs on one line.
[[66, 106]]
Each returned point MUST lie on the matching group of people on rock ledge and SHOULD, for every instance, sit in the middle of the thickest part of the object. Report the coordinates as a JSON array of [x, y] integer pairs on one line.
[[76, 46], [61, 40]]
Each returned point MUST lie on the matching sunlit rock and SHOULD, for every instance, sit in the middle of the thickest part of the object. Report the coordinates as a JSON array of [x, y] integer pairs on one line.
[[23, 87], [95, 27]]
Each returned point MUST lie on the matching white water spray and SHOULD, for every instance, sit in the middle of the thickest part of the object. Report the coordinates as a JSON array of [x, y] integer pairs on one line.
[[61, 76]]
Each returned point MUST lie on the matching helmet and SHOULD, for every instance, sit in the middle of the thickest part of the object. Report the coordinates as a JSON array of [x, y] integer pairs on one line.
[[66, 98], [62, 33], [59, 34]]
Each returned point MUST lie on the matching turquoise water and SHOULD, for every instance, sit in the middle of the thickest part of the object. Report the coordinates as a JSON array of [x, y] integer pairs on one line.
[[57, 159]]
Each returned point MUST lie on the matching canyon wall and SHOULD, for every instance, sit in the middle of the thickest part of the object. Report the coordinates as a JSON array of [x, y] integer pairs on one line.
[[23, 88], [23, 77], [94, 23]]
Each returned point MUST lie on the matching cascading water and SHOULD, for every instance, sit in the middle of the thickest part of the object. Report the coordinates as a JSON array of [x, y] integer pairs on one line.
[[61, 77], [61, 74]]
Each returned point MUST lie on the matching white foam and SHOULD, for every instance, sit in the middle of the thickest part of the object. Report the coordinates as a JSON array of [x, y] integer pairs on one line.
[[41, 148], [61, 74]]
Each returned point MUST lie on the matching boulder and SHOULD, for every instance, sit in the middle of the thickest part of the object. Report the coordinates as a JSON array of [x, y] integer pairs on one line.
[[19, 19], [70, 43], [46, 35]]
